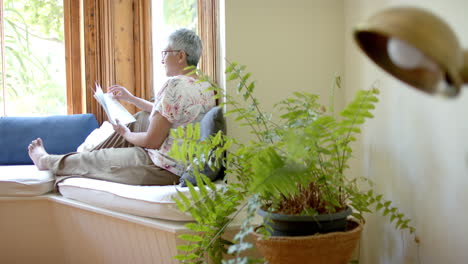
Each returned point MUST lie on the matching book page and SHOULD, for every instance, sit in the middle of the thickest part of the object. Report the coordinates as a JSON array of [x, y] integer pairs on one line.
[[112, 107]]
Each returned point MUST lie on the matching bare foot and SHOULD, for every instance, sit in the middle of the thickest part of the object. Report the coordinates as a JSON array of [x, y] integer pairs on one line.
[[36, 152]]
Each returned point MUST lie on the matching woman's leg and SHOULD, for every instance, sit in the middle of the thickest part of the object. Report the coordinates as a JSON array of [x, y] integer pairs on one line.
[[122, 165]]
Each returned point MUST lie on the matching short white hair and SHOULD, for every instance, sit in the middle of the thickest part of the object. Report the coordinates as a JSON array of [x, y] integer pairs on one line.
[[188, 41]]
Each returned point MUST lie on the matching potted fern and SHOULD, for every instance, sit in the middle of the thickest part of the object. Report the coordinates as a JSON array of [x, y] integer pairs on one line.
[[294, 170]]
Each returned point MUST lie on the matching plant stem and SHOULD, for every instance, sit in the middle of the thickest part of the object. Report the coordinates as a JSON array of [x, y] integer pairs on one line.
[[225, 225], [352, 125]]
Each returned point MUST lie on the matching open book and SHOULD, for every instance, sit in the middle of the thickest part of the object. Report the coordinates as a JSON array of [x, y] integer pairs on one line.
[[112, 107]]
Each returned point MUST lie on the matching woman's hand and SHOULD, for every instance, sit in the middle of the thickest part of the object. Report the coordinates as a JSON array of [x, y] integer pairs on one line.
[[119, 92], [120, 128]]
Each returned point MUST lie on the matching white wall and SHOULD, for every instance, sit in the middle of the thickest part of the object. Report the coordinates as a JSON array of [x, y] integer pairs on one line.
[[294, 45], [415, 150]]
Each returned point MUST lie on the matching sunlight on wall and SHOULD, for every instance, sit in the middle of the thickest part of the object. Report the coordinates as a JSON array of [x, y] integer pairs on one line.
[[287, 45], [415, 151]]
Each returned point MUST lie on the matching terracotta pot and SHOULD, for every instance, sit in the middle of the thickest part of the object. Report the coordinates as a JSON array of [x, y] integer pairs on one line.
[[330, 248]]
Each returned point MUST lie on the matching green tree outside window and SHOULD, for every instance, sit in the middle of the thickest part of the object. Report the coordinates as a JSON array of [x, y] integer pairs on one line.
[[34, 57]]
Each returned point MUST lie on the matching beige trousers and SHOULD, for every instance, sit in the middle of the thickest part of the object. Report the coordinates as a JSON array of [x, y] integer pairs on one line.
[[115, 160]]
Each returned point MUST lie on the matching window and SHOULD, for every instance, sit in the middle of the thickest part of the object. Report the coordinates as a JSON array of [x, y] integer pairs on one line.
[[168, 16], [33, 79], [97, 47]]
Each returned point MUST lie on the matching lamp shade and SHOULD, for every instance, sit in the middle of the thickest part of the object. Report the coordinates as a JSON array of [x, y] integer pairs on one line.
[[416, 47]]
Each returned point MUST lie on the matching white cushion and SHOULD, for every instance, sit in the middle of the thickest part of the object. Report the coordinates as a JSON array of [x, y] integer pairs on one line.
[[96, 137], [25, 180], [146, 201]]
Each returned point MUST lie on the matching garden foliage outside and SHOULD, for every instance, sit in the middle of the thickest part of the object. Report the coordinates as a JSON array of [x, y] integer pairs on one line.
[[35, 76], [34, 57]]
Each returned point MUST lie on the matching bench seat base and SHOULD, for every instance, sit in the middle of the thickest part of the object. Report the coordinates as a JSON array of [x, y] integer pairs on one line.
[[53, 229]]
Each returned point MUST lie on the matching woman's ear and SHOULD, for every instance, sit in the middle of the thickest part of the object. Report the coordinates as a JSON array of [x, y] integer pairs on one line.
[[181, 57]]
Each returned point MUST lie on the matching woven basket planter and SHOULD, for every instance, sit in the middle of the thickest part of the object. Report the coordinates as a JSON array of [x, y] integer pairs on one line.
[[331, 248]]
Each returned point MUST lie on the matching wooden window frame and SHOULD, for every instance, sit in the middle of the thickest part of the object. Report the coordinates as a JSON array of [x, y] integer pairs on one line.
[[207, 30], [73, 13], [119, 51]]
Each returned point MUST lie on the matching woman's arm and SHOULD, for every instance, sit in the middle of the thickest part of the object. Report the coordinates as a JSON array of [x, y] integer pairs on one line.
[[121, 93], [158, 130]]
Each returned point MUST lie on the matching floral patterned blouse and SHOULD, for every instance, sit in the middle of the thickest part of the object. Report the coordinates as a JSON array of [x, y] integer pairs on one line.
[[182, 101]]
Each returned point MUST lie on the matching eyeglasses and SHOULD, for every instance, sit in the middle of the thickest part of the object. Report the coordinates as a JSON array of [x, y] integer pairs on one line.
[[165, 52]]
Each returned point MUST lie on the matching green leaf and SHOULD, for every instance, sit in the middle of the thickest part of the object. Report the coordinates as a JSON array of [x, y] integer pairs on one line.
[[245, 77], [251, 87], [191, 256], [358, 216], [192, 238], [232, 76], [180, 205], [180, 257], [189, 131], [386, 211], [187, 248], [192, 226], [378, 207], [231, 67], [184, 199], [193, 192]]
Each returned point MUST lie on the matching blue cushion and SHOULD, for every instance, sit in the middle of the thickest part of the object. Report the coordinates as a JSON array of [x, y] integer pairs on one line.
[[61, 134], [211, 123]]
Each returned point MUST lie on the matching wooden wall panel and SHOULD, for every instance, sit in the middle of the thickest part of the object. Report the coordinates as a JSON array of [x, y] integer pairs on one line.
[[109, 42], [73, 11], [124, 47], [207, 29], [117, 49], [93, 57], [97, 238], [143, 50], [28, 233]]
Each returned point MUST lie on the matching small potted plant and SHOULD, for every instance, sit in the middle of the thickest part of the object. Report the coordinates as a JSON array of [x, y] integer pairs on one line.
[[293, 174]]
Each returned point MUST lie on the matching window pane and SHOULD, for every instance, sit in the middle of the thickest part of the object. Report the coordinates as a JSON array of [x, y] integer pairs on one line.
[[168, 16], [34, 57]]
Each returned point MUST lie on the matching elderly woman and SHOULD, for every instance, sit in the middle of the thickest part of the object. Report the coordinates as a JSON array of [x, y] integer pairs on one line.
[[139, 154]]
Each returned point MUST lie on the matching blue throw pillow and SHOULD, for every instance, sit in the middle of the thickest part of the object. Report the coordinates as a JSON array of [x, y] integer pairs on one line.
[[211, 123], [61, 134]]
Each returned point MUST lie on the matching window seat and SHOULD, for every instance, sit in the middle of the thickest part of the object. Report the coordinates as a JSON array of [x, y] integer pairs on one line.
[[37, 226], [53, 229]]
